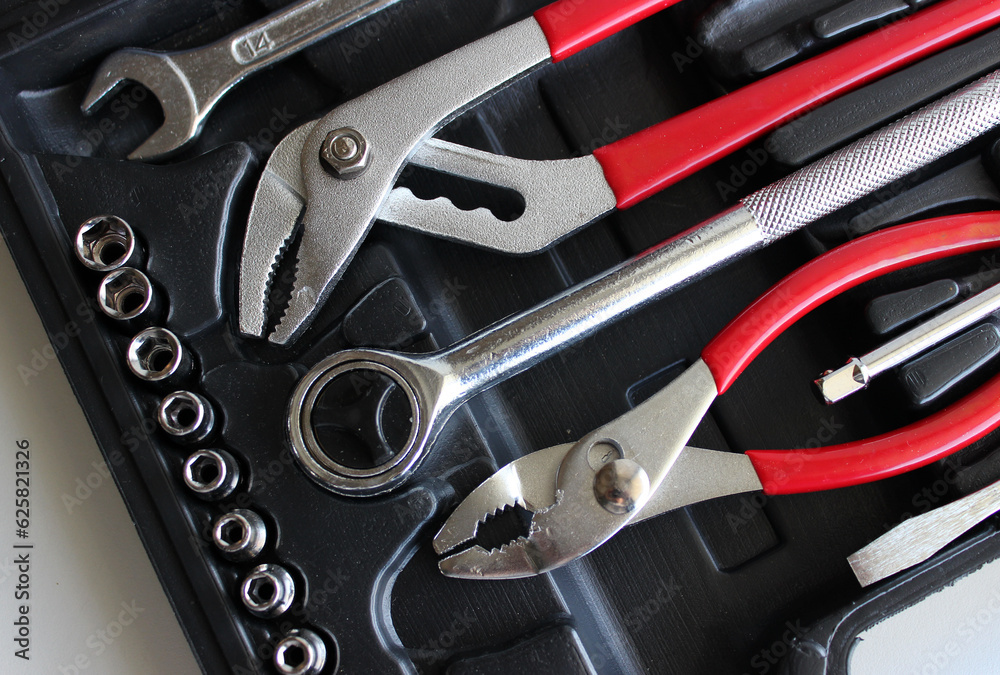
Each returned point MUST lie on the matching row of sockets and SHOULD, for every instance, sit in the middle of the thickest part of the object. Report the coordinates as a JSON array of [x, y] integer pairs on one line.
[[108, 244]]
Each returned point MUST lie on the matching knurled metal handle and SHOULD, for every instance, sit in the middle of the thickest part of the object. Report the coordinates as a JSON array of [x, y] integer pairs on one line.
[[877, 160]]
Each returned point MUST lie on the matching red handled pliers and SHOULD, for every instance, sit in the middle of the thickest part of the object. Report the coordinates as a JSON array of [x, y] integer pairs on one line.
[[333, 178], [637, 466]]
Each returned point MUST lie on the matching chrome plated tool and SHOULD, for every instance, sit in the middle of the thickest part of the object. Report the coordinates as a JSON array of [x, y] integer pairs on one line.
[[435, 385], [917, 539], [636, 467], [333, 178], [301, 652], [190, 83], [836, 385]]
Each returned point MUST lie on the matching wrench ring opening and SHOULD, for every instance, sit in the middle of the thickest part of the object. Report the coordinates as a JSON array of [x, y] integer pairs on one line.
[[308, 448]]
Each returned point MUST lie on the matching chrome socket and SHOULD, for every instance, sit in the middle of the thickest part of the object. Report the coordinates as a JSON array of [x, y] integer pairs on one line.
[[301, 652], [239, 535], [186, 416], [106, 243], [126, 294], [211, 474], [156, 355], [268, 591]]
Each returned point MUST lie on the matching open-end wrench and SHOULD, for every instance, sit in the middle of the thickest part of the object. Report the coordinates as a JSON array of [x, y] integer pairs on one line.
[[189, 83], [436, 384]]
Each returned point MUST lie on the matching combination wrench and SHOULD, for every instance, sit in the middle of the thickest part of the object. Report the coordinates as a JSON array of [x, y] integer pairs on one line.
[[188, 84], [436, 384]]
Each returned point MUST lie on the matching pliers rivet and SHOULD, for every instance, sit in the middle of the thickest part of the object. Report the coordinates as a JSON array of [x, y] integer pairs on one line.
[[345, 151], [620, 485]]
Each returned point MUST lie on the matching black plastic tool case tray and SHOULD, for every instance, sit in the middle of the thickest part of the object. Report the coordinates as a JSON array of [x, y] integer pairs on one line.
[[713, 588]]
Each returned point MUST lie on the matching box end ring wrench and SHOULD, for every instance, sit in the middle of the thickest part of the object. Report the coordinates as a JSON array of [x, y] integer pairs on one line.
[[565, 487], [436, 384], [188, 84], [560, 196]]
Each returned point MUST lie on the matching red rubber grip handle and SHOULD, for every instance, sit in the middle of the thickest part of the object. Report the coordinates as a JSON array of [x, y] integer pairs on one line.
[[641, 165], [794, 471], [845, 267], [926, 441], [573, 25]]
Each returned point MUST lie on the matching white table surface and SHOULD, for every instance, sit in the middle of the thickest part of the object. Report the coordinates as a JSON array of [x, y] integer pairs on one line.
[[95, 604]]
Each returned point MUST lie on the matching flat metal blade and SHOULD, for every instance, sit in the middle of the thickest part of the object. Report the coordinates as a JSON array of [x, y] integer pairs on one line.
[[917, 539]]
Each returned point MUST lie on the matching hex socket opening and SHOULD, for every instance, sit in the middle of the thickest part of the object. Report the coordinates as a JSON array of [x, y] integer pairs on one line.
[[239, 535], [211, 474], [186, 416], [125, 293], [105, 243], [156, 354], [301, 652], [268, 591]]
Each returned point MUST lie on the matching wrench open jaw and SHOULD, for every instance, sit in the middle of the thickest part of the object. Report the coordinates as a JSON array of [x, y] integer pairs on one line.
[[189, 83], [184, 112]]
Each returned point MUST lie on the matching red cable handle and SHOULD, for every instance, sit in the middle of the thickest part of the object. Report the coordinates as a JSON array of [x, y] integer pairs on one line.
[[641, 165], [573, 25], [785, 472], [838, 270], [791, 471]]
